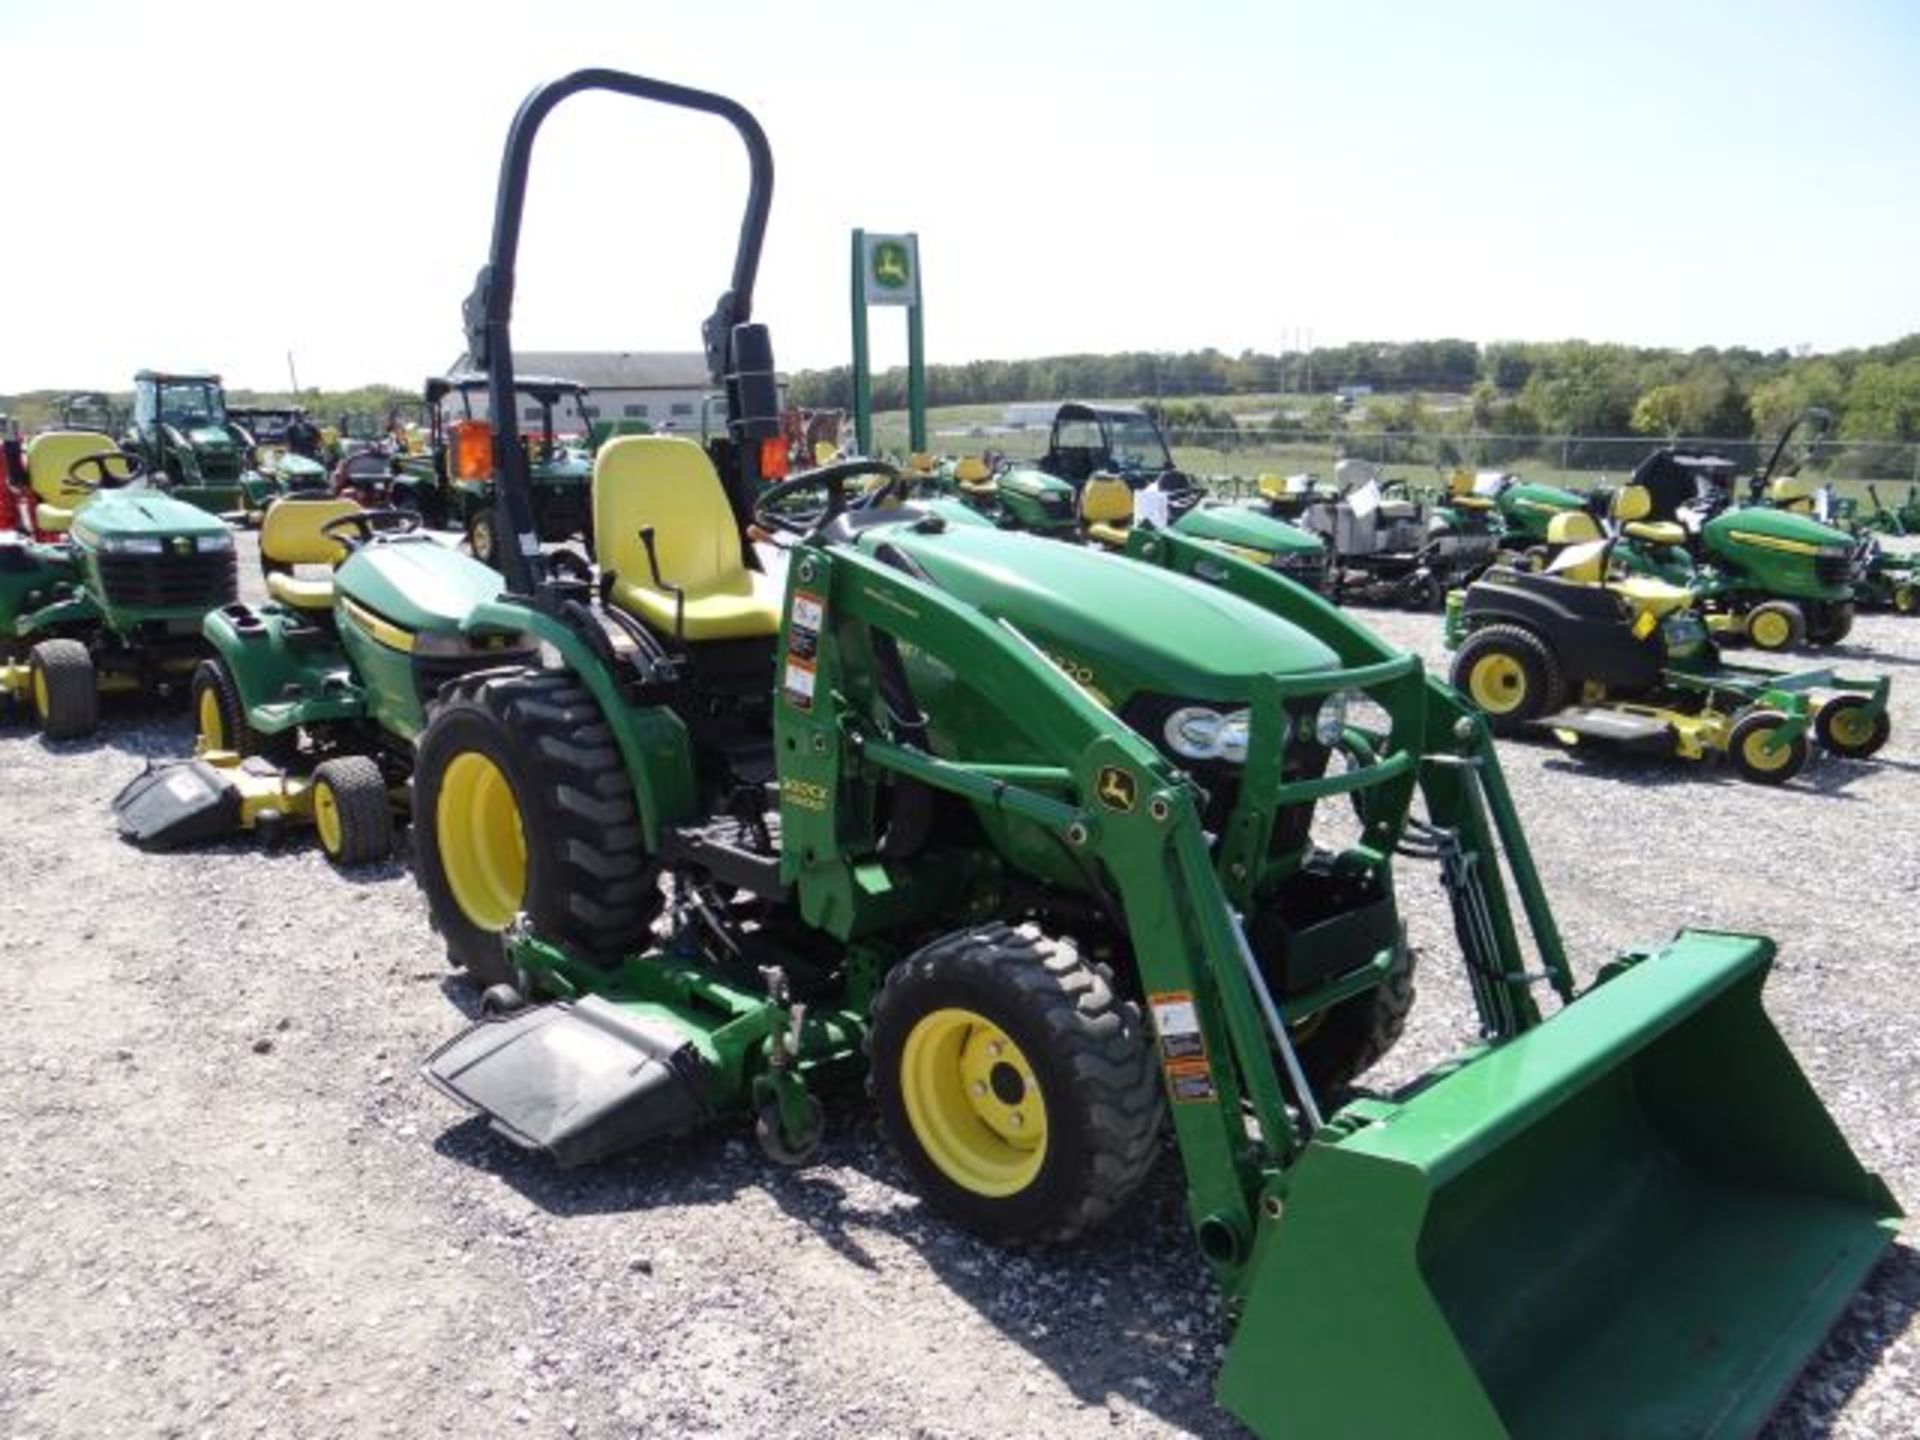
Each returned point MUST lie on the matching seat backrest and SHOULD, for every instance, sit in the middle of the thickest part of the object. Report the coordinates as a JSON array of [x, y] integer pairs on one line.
[[1632, 502], [1572, 527], [1106, 500], [1271, 486], [1584, 562], [971, 470], [51, 453], [291, 533], [667, 483]]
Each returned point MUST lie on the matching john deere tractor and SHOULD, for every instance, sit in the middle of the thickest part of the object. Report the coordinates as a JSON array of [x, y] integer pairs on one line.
[[115, 607], [1057, 849], [1589, 650], [309, 705], [453, 483], [181, 433]]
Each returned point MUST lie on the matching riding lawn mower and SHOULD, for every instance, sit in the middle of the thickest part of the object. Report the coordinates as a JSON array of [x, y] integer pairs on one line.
[[939, 810]]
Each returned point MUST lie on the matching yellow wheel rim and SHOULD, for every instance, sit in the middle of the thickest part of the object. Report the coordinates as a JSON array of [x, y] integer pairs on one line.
[[213, 732], [1761, 751], [973, 1102], [1848, 726], [1771, 631], [1906, 599], [40, 702], [483, 845], [1498, 684], [326, 817]]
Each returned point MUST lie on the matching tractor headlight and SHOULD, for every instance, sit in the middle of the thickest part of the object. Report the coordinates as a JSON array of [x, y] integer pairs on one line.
[[1195, 732], [130, 544], [216, 544], [1330, 720]]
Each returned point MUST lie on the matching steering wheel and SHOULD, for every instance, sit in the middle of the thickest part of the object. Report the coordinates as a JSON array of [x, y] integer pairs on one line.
[[768, 515], [365, 524], [132, 468], [1181, 491]]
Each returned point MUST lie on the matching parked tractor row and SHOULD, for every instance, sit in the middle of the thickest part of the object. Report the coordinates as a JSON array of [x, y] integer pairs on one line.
[[996, 793]]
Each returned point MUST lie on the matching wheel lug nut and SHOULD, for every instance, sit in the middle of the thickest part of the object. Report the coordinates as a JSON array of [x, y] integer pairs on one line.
[[979, 1087], [1016, 1119]]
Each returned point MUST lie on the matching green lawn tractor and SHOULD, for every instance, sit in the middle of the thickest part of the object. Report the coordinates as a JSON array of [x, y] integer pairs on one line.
[[309, 705], [1588, 650], [262, 430], [1056, 849], [1523, 508], [115, 607], [1901, 519], [452, 485], [181, 432]]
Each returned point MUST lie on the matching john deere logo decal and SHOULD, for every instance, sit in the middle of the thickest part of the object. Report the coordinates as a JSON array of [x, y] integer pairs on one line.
[[1118, 789], [182, 545], [892, 270]]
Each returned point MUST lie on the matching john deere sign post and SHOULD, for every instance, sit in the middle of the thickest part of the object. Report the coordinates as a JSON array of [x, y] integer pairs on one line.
[[886, 271]]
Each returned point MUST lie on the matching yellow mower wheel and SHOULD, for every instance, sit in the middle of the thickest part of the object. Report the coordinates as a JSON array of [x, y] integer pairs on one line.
[[1498, 684], [1510, 676], [220, 718], [1844, 727], [1776, 626], [1906, 599], [1017, 1086], [1757, 754], [483, 841], [65, 690], [211, 725]]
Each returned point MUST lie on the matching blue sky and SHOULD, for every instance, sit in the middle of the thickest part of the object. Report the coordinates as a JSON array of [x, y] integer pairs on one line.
[[218, 184]]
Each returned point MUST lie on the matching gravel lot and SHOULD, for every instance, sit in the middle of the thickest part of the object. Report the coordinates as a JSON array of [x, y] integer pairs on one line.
[[230, 1208]]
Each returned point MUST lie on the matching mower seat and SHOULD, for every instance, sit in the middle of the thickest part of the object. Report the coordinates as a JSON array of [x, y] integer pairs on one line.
[[291, 535], [1632, 505], [1583, 563], [1646, 595], [972, 475], [669, 484], [1106, 509], [49, 456]]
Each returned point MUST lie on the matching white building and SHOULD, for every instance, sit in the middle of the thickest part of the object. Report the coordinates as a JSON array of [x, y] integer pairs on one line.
[[665, 388]]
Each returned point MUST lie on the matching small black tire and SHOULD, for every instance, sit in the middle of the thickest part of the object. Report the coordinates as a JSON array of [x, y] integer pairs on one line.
[[1839, 728], [1775, 625], [1341, 1044], [1830, 624], [1064, 1035], [66, 696], [216, 698], [501, 999], [483, 535], [771, 1135], [352, 811], [1753, 760], [584, 879], [1510, 675]]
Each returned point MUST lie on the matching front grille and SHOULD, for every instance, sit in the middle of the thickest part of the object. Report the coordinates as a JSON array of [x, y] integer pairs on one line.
[[1835, 569], [559, 513], [431, 672], [170, 581]]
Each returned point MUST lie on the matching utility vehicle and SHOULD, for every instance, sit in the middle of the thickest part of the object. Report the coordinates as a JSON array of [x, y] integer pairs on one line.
[[181, 432]]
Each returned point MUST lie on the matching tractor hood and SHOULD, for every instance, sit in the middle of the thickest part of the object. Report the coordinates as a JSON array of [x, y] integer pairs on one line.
[[1775, 529], [1539, 498], [111, 514], [209, 438], [1119, 626], [1250, 529], [417, 583]]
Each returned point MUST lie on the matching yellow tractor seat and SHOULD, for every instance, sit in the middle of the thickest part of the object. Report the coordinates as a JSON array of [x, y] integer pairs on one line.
[[1581, 562], [1657, 532], [1470, 502], [291, 534], [1794, 492], [1106, 509], [1272, 486], [1573, 527], [1649, 596], [971, 474], [669, 484], [49, 456]]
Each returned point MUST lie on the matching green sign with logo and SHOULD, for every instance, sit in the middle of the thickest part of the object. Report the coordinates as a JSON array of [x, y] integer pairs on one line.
[[892, 269]]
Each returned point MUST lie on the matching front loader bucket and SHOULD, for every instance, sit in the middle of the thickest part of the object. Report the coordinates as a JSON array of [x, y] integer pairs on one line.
[[1635, 1221]]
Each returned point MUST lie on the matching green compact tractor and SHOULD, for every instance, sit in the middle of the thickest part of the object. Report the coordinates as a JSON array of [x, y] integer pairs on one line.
[[117, 606], [181, 432], [1056, 850], [1108, 443], [1588, 650], [1900, 519], [90, 410], [452, 485], [309, 705], [262, 430]]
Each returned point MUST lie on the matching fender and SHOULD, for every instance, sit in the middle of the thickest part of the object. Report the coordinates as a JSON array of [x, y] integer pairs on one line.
[[77, 608], [283, 682]]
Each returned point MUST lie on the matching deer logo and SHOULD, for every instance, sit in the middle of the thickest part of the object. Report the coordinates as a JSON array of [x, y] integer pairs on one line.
[[1117, 789]]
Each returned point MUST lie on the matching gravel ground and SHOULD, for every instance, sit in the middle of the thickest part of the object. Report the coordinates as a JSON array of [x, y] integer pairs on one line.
[[230, 1208]]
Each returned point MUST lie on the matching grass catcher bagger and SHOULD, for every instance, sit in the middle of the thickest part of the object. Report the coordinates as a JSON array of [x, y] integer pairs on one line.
[[1029, 835], [308, 708]]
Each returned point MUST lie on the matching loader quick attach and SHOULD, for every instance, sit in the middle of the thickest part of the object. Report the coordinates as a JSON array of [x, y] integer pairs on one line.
[[1025, 833]]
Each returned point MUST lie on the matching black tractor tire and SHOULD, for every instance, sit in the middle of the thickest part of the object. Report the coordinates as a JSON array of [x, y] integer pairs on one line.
[[483, 535], [1085, 1049], [214, 686], [1775, 625], [586, 880], [66, 696], [352, 811], [1839, 729], [1750, 763], [1531, 684], [1830, 624], [1339, 1045]]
